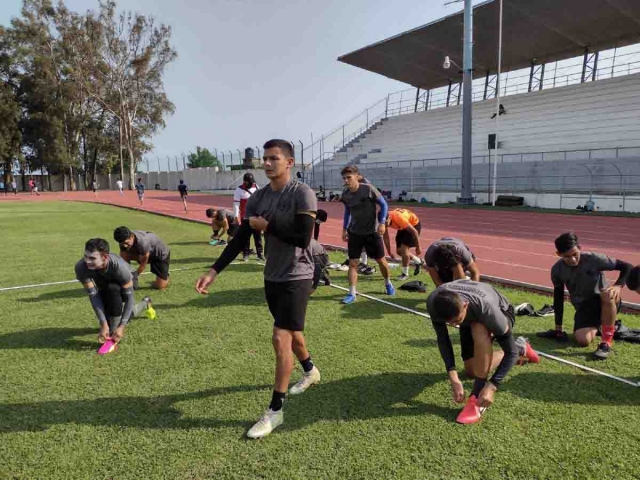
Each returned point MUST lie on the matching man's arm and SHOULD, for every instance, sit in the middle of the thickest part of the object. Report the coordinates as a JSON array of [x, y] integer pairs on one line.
[[387, 243], [346, 217], [624, 268], [301, 233], [416, 237], [474, 271], [144, 259], [96, 301], [234, 247], [445, 347], [129, 302], [384, 209], [225, 228], [558, 305]]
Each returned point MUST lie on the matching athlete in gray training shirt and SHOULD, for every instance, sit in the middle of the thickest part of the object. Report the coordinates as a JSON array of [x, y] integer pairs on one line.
[[447, 259], [145, 247], [482, 314], [108, 281], [285, 210]]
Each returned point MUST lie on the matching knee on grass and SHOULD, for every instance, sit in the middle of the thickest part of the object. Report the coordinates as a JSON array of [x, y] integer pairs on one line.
[[584, 338]]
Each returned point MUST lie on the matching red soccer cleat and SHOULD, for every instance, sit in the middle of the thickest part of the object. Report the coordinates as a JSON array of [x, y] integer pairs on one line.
[[470, 413], [526, 350]]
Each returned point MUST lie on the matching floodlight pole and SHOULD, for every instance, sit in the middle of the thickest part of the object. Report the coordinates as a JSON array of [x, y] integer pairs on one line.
[[466, 195], [495, 162]]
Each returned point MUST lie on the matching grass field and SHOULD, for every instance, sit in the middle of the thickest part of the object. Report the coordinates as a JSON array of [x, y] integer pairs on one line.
[[178, 397]]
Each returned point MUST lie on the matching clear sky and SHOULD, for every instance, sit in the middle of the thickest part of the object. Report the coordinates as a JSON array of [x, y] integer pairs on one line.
[[250, 70]]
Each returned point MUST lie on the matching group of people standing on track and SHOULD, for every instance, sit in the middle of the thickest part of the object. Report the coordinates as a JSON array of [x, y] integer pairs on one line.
[[285, 211]]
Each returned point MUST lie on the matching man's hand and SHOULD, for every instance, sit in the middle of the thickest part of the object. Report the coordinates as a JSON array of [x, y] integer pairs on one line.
[[345, 235], [485, 399], [418, 250], [103, 336], [615, 293], [258, 223], [381, 229], [457, 391], [202, 285], [118, 334]]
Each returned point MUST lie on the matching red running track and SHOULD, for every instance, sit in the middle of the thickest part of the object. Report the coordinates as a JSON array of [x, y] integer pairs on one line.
[[512, 245]]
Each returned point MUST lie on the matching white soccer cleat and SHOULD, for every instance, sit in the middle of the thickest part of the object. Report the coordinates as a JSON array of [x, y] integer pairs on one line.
[[269, 421], [308, 378]]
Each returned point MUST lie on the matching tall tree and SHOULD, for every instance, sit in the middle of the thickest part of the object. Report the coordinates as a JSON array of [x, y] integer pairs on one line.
[[202, 158]]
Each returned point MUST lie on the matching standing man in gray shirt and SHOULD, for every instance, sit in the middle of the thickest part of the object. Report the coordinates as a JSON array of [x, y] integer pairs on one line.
[[145, 248], [448, 259], [363, 227], [483, 315], [108, 282], [596, 304], [285, 210]]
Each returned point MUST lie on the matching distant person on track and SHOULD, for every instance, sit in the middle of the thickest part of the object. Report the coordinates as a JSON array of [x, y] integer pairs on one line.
[[408, 229], [596, 304], [363, 228], [14, 186], [184, 191], [120, 186], [2, 188], [94, 187], [450, 259], [240, 198], [108, 281], [285, 210], [145, 248], [32, 185], [223, 222], [483, 315], [35, 188], [140, 188]]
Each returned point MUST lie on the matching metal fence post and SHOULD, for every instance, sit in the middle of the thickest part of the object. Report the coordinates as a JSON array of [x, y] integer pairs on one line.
[[411, 178]]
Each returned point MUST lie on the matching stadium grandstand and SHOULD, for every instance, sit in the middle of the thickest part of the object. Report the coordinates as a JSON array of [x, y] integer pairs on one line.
[[569, 117]]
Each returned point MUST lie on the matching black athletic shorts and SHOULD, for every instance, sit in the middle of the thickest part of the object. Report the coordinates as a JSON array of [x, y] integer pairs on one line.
[[372, 244], [160, 268], [288, 303], [233, 229], [405, 237], [588, 313], [466, 338]]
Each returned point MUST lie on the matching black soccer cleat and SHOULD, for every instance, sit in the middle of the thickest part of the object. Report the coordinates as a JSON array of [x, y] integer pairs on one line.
[[560, 336], [602, 352]]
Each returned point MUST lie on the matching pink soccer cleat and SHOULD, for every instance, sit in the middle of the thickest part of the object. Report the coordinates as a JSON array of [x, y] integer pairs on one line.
[[470, 413], [107, 347]]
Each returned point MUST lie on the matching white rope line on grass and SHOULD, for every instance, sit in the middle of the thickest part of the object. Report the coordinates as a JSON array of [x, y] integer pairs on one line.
[[588, 369], [35, 285], [391, 304]]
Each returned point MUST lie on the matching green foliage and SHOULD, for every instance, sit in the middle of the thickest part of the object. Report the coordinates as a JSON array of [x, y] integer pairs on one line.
[[177, 398], [202, 158]]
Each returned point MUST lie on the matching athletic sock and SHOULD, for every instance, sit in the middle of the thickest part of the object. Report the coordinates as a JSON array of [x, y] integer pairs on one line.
[[478, 385], [140, 307], [352, 291], [405, 270], [307, 365], [277, 400], [387, 281], [364, 258], [416, 259], [607, 333]]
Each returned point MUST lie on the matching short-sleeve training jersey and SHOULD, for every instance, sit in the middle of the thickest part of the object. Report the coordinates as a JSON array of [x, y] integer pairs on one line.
[[363, 207], [182, 188], [486, 305], [401, 218], [285, 262], [149, 242], [117, 271], [458, 245], [581, 281]]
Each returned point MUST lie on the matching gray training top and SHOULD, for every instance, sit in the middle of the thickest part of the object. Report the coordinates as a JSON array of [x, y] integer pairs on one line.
[[285, 262], [117, 271], [362, 204], [486, 305], [149, 242], [581, 281], [458, 245]]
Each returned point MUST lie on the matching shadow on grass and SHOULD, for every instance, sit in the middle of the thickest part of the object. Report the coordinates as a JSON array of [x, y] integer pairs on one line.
[[422, 342], [204, 241], [587, 389], [62, 338], [219, 298], [358, 398], [77, 292]]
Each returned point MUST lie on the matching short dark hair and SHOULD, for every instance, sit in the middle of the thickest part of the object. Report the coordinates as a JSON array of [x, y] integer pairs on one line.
[[633, 280], [210, 212], [97, 245], [181, 181], [566, 242], [140, 179], [447, 304], [321, 215], [446, 257], [284, 145], [350, 169], [248, 178], [121, 234]]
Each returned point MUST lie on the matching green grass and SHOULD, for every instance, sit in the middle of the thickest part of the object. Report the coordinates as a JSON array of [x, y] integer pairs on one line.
[[177, 398]]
